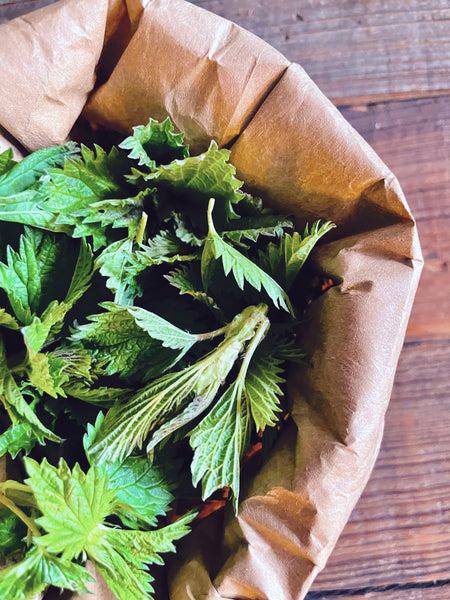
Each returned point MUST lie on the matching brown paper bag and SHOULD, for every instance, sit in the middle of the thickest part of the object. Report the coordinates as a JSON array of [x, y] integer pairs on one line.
[[120, 64]]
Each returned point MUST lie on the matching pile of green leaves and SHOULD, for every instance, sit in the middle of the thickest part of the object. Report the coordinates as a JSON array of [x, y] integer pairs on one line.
[[144, 298]]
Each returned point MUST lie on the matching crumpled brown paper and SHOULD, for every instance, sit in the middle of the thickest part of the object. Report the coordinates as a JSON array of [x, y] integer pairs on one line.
[[121, 62]]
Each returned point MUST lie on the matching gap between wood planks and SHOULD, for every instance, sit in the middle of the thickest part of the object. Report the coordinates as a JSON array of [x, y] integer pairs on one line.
[[352, 593]]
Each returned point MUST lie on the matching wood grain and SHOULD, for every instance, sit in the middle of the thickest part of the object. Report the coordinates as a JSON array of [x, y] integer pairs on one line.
[[413, 139], [10, 9], [437, 592], [399, 531], [355, 51]]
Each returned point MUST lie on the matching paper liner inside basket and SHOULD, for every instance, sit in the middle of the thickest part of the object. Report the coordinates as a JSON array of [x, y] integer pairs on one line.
[[135, 60]]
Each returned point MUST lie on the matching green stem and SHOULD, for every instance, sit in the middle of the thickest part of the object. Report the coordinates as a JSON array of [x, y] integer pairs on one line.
[[212, 334], [141, 229], [15, 485], [256, 340], [22, 516], [211, 227]]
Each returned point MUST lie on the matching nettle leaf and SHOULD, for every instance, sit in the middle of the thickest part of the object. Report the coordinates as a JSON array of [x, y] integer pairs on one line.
[[155, 143], [102, 395], [219, 442], [139, 485], [72, 503], [174, 399], [7, 161], [160, 329], [187, 282], [220, 439], [36, 333], [122, 557], [164, 248], [183, 231], [74, 508], [13, 531], [28, 171], [242, 267], [72, 192], [21, 276], [25, 208], [261, 386], [202, 177], [120, 213], [284, 261], [123, 346], [116, 263], [37, 273], [82, 275], [250, 228], [20, 201], [17, 438], [37, 571], [6, 320], [19, 411], [46, 372]]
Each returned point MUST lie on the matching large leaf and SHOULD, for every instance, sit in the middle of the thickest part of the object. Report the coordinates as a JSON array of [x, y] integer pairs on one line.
[[72, 503], [128, 424], [219, 442], [29, 170], [74, 508], [123, 344], [200, 178], [37, 274]]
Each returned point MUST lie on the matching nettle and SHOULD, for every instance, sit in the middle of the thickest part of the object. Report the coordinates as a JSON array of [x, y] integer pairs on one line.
[[145, 298]]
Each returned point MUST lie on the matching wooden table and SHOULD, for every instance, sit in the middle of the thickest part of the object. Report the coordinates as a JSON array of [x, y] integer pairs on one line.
[[386, 65]]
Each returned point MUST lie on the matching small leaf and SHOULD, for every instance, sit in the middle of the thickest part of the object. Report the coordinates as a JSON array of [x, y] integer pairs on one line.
[[17, 438], [19, 411], [284, 261], [7, 320], [7, 161], [12, 531], [37, 571], [250, 228], [155, 144], [122, 272], [160, 329], [242, 268], [185, 280]]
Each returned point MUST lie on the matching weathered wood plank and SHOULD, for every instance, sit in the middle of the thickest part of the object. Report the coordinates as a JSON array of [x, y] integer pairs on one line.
[[413, 139], [355, 51], [399, 531], [437, 592]]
